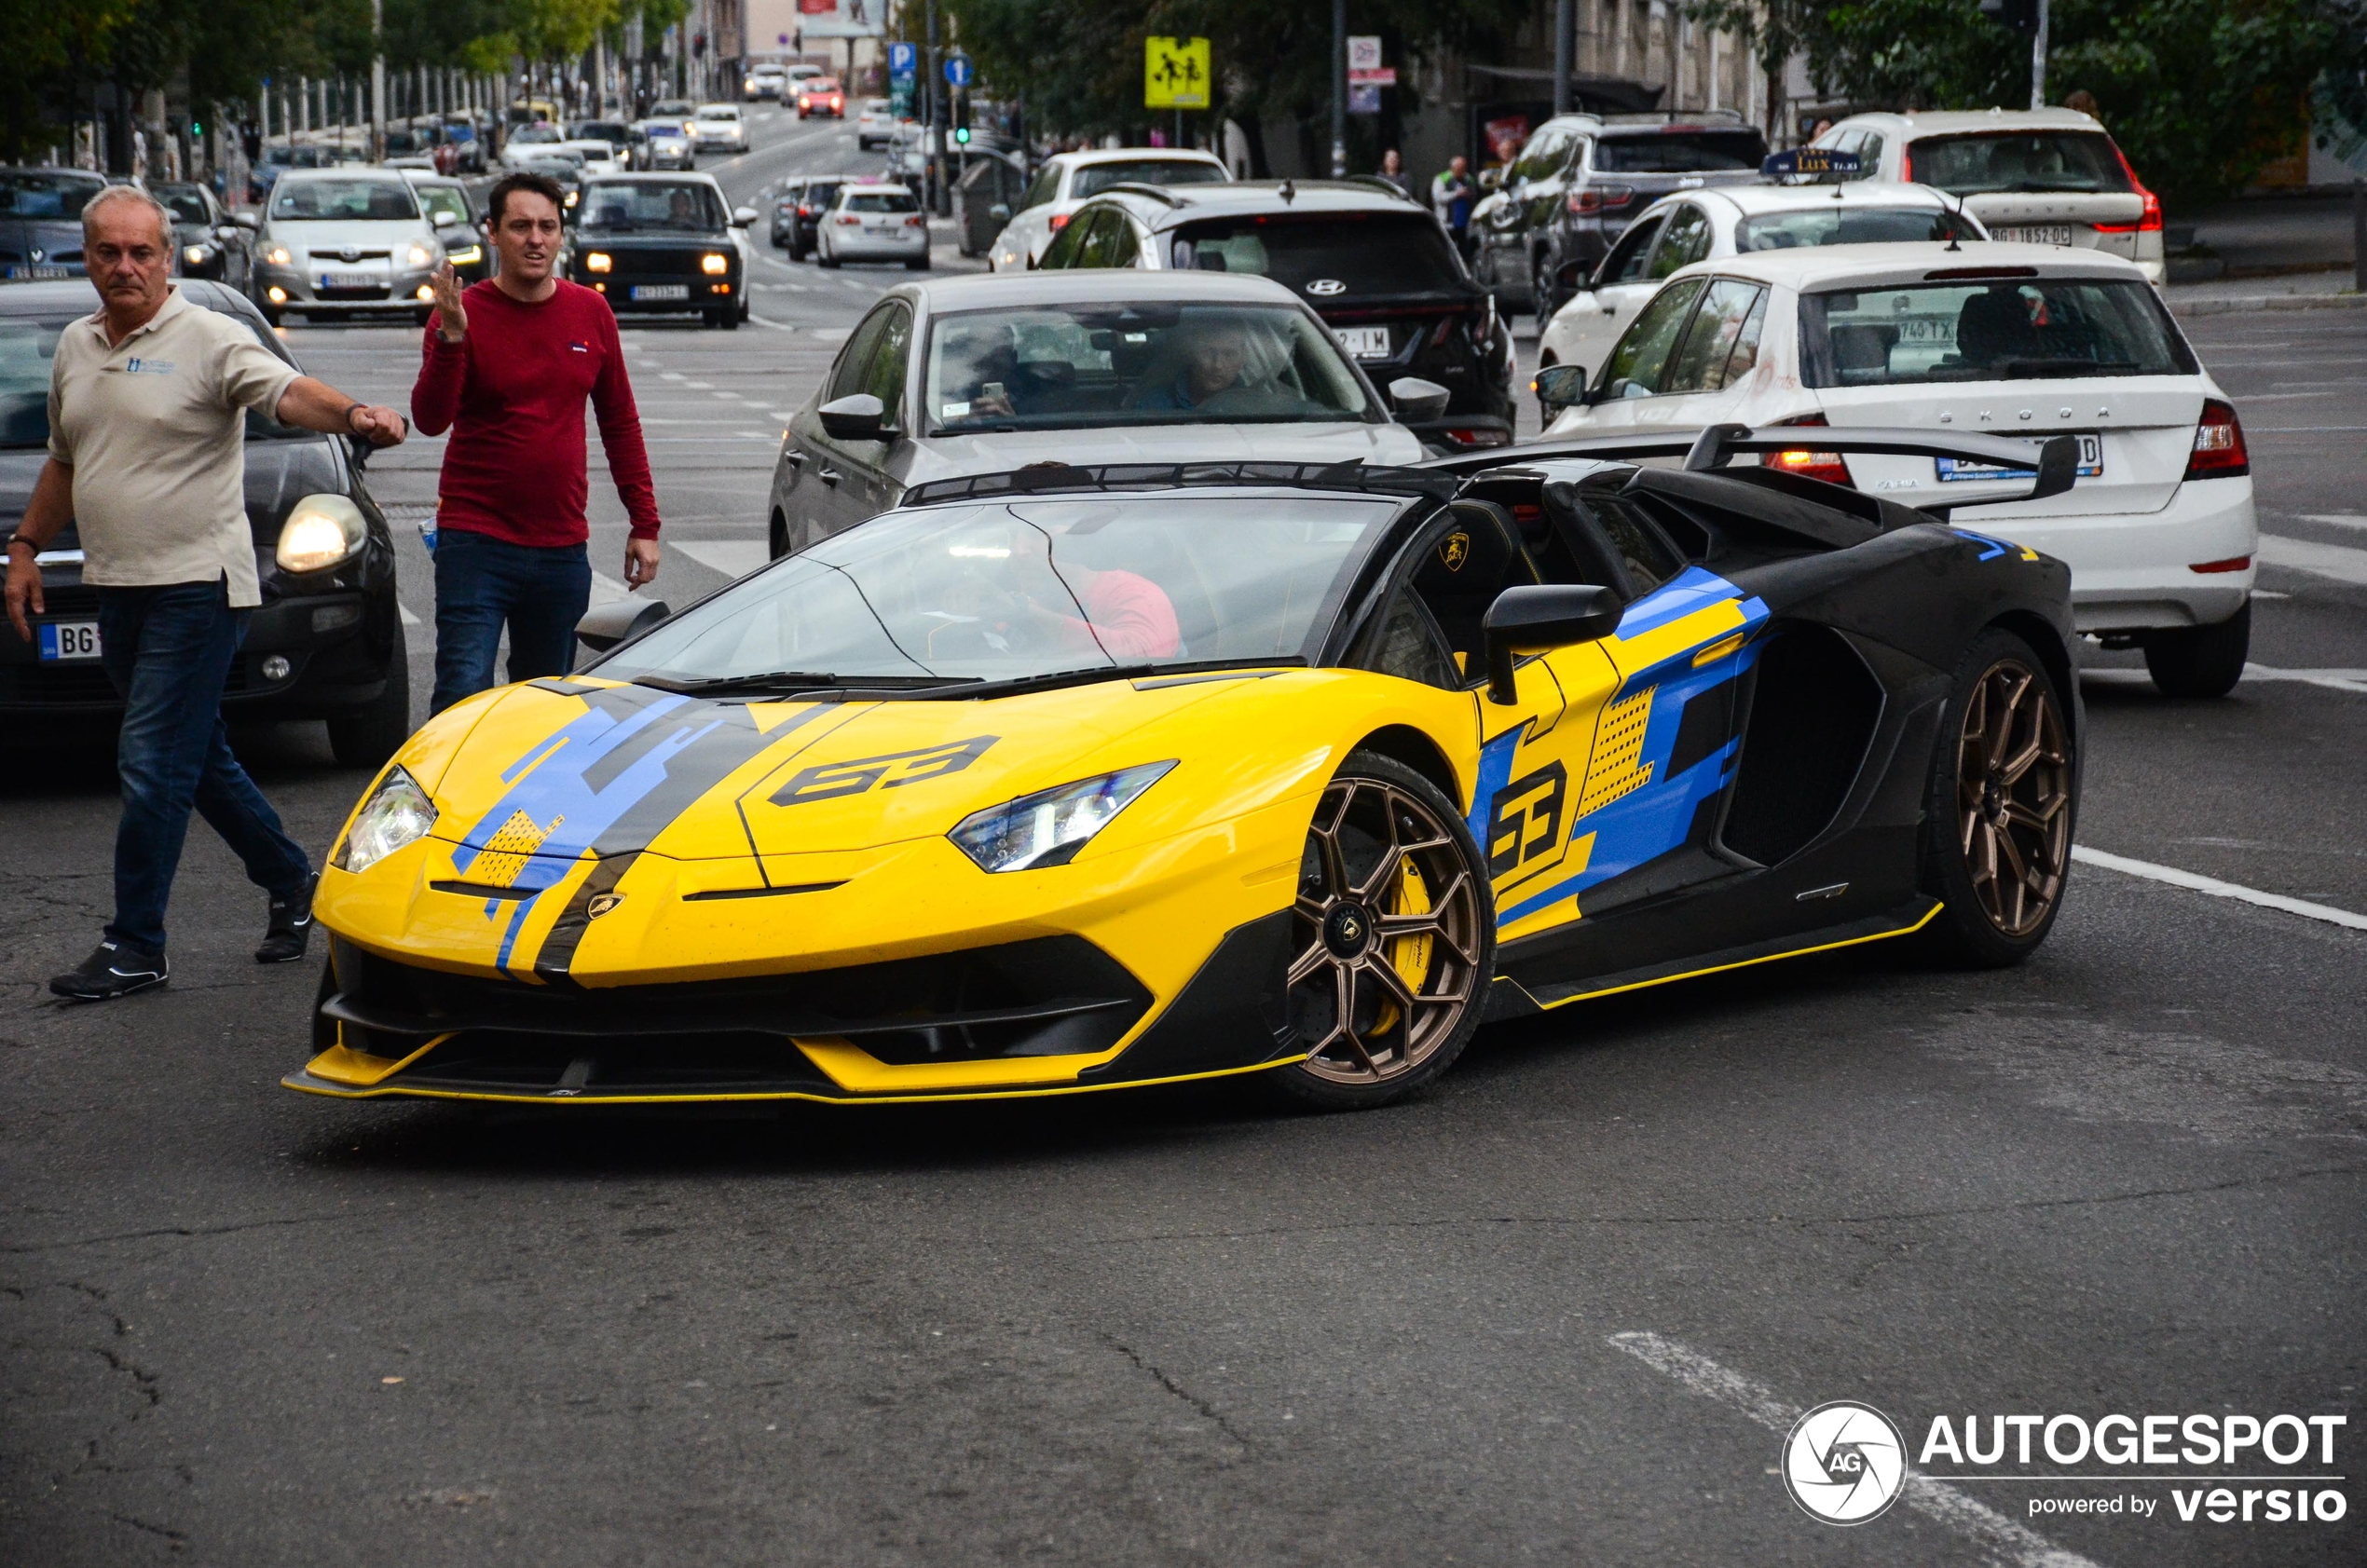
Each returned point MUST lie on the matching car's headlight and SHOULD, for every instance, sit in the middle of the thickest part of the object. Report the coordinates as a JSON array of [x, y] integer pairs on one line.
[[714, 265], [195, 254], [322, 531], [276, 255], [467, 256], [398, 812], [1048, 828], [596, 261], [419, 255]]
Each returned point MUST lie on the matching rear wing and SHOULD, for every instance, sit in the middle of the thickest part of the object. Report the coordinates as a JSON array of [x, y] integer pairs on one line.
[[2053, 463]]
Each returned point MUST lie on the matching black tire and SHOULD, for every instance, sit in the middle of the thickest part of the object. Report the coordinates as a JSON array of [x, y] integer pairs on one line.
[[1540, 293], [270, 314], [2000, 808], [916, 264], [776, 538], [2200, 661], [1382, 1014], [825, 261], [370, 734], [728, 318]]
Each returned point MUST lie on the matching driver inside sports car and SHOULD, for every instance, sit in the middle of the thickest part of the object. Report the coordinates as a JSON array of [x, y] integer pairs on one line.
[[1024, 587]]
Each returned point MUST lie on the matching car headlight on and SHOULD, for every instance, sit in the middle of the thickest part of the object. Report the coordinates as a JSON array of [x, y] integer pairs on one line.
[[596, 261], [467, 256], [276, 255], [322, 531], [1048, 828], [714, 265], [196, 254], [419, 255], [398, 812]]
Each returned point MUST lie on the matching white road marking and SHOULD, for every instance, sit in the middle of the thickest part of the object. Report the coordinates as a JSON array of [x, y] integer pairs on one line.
[[1998, 1537], [606, 590], [776, 326], [2340, 562], [2214, 888], [726, 397], [732, 557], [2334, 680], [2339, 519], [700, 386], [671, 375]]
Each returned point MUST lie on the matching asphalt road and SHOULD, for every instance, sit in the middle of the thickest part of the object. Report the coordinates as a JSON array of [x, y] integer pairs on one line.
[[1543, 1313]]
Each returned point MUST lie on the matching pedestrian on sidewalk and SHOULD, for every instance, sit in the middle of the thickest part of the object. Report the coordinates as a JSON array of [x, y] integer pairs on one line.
[[1451, 198], [148, 397], [1393, 171], [507, 366]]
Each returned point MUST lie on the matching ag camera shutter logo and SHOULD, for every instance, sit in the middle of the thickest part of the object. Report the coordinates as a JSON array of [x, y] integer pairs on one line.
[[1844, 1463]]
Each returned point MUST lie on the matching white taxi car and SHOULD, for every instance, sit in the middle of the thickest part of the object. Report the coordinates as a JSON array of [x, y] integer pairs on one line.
[[1068, 179], [1997, 339], [1736, 220], [2044, 176]]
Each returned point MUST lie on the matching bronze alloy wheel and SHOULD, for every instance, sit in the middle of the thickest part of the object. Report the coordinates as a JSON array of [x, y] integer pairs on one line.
[[1389, 937], [2013, 796]]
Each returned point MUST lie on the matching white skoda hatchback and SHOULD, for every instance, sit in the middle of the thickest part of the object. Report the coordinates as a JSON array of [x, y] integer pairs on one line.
[[1995, 339]]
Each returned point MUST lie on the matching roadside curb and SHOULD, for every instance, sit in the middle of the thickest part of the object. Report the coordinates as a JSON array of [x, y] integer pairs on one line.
[[2267, 301]]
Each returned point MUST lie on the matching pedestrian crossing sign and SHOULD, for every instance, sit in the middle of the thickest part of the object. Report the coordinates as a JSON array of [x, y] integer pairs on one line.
[[1175, 73]]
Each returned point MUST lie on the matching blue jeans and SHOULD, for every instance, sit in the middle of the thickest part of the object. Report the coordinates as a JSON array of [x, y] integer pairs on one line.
[[168, 651], [481, 582]]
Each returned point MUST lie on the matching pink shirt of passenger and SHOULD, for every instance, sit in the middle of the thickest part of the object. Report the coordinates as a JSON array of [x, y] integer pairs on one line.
[[1130, 616]]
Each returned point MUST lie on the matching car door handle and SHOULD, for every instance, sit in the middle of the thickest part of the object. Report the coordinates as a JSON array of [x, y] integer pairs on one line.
[[829, 476]]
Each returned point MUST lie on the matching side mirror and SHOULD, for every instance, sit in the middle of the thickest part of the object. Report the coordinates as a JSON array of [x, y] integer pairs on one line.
[[246, 221], [1560, 387], [605, 626], [743, 216], [859, 417], [1416, 399], [1537, 618]]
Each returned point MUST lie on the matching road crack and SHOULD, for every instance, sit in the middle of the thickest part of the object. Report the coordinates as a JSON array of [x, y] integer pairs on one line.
[[1201, 1407]]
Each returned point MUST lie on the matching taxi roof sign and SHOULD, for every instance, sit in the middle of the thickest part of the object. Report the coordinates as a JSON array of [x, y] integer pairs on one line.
[[1175, 73], [1808, 160]]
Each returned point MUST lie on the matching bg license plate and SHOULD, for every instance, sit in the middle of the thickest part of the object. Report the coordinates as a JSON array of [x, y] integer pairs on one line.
[[2091, 464], [350, 280], [661, 291], [1363, 343], [2044, 233], [69, 639]]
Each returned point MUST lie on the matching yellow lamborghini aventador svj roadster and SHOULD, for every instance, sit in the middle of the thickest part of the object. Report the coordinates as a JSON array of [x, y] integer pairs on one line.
[[1080, 779]]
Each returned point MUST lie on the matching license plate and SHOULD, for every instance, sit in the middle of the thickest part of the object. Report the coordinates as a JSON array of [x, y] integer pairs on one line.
[[351, 281], [2091, 465], [69, 639], [2043, 234], [33, 272], [661, 291], [1363, 343]]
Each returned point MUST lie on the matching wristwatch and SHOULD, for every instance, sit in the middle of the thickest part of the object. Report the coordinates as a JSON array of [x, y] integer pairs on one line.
[[19, 538]]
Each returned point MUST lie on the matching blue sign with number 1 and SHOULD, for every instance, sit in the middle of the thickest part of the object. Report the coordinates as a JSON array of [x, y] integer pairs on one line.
[[903, 62], [957, 70]]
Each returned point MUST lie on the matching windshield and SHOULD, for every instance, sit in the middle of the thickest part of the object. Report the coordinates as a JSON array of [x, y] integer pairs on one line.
[[713, 113], [1836, 224], [530, 134], [343, 201], [600, 130], [1679, 152], [1358, 253], [675, 106], [29, 345], [881, 201], [1003, 592], [675, 204], [185, 202], [1095, 178], [1147, 362], [2040, 160], [25, 194], [2002, 331], [444, 204]]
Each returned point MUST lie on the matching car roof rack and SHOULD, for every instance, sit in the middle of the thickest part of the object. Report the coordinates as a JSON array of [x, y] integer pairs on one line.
[[1047, 478], [1373, 182]]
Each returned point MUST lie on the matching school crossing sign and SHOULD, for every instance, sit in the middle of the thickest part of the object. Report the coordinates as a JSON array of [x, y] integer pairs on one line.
[[1175, 73]]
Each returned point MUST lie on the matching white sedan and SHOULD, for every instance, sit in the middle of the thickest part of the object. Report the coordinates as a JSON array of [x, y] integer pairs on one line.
[[718, 127], [1997, 339], [1711, 224]]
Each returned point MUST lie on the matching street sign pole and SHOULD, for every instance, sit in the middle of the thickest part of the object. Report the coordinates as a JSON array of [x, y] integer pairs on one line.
[[1339, 89], [932, 182], [2038, 61]]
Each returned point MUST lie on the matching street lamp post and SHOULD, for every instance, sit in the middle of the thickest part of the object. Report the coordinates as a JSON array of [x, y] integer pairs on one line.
[[378, 80], [1339, 89], [1565, 41]]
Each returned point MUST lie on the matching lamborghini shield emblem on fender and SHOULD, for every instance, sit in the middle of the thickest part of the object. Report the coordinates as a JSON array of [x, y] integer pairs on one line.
[[602, 903], [828, 780], [1454, 549]]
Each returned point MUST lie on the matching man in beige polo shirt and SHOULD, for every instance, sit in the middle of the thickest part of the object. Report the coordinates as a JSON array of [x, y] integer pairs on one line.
[[147, 432]]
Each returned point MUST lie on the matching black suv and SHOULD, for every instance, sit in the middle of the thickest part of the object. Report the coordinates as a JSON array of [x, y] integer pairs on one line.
[[1579, 180], [796, 215], [327, 642], [1379, 270]]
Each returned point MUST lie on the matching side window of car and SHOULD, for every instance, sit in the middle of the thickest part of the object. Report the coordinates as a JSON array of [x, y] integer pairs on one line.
[[1093, 246], [1541, 157], [1063, 252], [883, 375], [1702, 361], [1625, 264], [1122, 247], [1649, 560], [1869, 157], [1686, 240], [1477, 556], [1408, 644], [853, 370], [1636, 365], [1047, 185]]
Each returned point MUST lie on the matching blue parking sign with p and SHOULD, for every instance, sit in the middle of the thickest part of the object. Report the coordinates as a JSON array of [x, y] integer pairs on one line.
[[903, 60]]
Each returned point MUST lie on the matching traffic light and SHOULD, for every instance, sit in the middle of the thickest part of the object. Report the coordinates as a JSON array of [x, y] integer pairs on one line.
[[961, 120], [2022, 15]]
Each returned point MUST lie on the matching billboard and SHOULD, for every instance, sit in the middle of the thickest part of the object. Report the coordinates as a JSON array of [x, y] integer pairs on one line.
[[775, 27]]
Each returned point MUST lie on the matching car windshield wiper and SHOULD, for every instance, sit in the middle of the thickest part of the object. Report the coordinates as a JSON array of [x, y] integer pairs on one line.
[[821, 683], [1093, 673]]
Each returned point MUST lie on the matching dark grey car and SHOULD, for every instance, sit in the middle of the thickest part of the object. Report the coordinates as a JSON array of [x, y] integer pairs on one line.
[[41, 221]]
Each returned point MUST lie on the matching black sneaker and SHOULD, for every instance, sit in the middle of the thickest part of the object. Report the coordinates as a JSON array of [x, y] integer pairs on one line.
[[291, 927], [113, 971]]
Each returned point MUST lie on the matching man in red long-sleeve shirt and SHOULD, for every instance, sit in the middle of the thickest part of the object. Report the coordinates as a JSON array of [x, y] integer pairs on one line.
[[507, 367]]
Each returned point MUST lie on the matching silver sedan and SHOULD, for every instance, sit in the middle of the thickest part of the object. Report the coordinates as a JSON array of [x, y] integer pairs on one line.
[[874, 221], [345, 242]]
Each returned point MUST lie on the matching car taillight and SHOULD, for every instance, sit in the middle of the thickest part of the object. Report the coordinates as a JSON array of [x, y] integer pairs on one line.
[[2219, 444], [1058, 222], [850, 221], [2150, 221], [1597, 198], [1827, 466], [916, 220], [805, 211]]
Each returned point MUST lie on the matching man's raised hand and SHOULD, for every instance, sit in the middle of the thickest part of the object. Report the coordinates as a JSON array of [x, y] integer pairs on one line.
[[451, 316]]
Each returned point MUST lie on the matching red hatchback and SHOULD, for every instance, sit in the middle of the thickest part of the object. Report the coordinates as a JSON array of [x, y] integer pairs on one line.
[[821, 95]]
